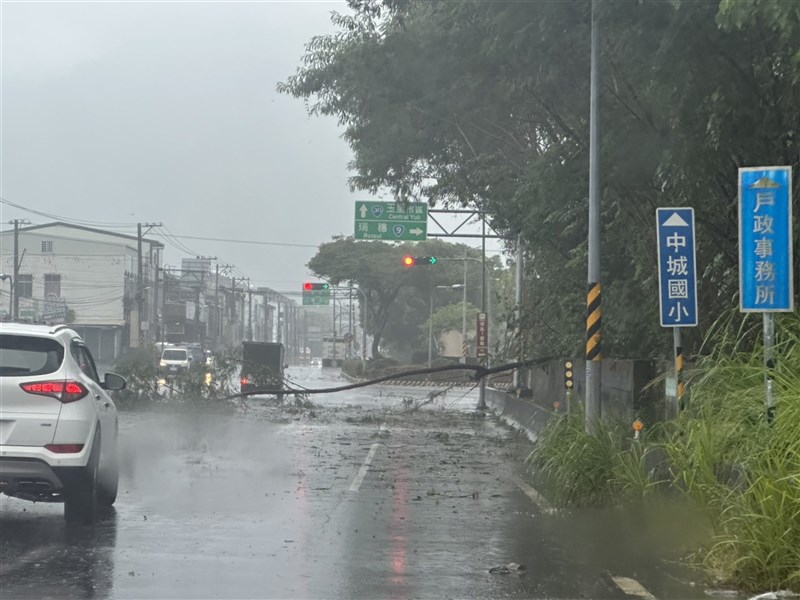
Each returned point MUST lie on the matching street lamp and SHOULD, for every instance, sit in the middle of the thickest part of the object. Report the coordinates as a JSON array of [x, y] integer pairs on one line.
[[455, 286], [4, 277]]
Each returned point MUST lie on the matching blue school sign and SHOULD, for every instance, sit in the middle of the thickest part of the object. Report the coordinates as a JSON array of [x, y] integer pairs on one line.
[[677, 268]]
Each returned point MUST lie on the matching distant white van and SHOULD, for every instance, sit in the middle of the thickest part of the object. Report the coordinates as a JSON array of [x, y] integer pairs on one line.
[[174, 360]]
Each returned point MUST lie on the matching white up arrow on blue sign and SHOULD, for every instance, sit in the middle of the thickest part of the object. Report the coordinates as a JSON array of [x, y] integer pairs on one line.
[[677, 268]]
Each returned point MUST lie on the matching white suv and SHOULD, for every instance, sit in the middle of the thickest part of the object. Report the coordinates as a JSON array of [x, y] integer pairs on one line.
[[58, 425]]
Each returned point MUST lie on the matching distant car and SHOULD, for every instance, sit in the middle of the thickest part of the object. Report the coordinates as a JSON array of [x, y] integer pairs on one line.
[[316, 362], [58, 425], [174, 361]]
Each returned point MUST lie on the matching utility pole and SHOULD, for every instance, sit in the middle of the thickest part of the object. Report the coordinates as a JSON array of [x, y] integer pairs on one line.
[[15, 284], [139, 285], [164, 305], [298, 351], [249, 311], [593, 297], [482, 391], [333, 325], [220, 315], [202, 335], [463, 359], [518, 311], [218, 331], [240, 310], [140, 278], [155, 303]]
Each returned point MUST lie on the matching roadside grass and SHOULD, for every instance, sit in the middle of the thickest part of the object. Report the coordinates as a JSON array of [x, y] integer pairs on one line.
[[583, 470], [721, 454]]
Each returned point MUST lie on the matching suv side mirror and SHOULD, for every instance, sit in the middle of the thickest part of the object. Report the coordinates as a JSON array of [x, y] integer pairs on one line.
[[112, 381]]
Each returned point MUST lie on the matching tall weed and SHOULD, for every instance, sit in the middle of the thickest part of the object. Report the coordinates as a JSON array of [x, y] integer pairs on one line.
[[727, 457], [589, 470]]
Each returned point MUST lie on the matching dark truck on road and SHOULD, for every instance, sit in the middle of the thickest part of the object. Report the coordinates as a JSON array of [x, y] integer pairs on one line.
[[262, 366]]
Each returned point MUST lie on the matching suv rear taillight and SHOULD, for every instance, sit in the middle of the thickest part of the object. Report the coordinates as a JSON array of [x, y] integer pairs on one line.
[[64, 448], [63, 391]]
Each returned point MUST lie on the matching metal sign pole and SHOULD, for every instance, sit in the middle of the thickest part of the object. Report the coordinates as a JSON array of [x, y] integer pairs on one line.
[[676, 336], [769, 364], [593, 311]]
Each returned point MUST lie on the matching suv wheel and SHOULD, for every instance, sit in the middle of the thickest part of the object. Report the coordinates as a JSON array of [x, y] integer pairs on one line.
[[108, 485], [80, 499]]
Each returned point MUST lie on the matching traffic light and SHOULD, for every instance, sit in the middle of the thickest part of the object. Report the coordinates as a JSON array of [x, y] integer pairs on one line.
[[316, 294], [411, 261], [569, 375]]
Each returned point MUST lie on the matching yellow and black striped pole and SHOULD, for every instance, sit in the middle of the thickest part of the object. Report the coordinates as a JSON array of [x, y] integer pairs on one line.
[[594, 317], [594, 355]]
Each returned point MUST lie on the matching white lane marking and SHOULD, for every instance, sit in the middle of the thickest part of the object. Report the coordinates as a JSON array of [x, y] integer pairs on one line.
[[632, 587], [362, 472], [535, 496]]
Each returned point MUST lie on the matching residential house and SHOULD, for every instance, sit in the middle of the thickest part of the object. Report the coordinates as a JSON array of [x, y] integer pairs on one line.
[[86, 277]]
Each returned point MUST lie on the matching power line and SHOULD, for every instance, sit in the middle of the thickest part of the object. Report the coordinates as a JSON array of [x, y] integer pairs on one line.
[[167, 234], [252, 242], [73, 221], [170, 237]]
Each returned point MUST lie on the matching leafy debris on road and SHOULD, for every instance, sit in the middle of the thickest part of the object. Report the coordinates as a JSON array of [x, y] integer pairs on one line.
[[508, 569]]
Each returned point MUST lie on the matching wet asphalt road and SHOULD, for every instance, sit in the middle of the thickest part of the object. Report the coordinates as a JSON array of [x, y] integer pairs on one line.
[[355, 497]]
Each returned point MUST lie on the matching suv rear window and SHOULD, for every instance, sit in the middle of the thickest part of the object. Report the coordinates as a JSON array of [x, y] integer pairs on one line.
[[29, 355], [174, 355]]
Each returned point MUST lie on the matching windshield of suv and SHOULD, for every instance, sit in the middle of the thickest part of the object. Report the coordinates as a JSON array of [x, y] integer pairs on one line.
[[174, 355], [27, 355]]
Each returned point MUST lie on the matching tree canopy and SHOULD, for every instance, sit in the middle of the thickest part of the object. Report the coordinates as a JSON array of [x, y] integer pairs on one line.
[[398, 297], [486, 104]]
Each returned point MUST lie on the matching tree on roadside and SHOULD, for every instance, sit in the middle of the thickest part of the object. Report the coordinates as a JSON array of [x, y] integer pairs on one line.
[[450, 317], [398, 296], [486, 104]]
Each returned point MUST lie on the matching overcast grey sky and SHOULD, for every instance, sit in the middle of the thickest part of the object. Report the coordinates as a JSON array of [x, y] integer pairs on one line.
[[153, 111]]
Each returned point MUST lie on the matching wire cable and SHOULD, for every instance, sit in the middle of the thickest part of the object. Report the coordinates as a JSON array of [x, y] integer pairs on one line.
[[252, 242], [72, 220], [479, 372]]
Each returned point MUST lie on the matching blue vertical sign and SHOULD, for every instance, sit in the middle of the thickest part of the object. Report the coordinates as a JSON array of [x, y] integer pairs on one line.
[[677, 268], [765, 239]]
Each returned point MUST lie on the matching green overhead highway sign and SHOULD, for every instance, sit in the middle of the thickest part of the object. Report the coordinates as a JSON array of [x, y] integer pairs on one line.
[[391, 221]]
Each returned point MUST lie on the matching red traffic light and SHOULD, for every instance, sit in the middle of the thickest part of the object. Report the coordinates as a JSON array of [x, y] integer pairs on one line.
[[308, 286], [409, 261]]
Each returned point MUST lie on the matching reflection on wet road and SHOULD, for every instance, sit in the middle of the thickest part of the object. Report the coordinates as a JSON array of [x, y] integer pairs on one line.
[[264, 504]]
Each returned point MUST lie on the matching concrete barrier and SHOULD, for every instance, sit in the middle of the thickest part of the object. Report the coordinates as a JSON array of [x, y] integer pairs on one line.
[[627, 390], [521, 413]]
